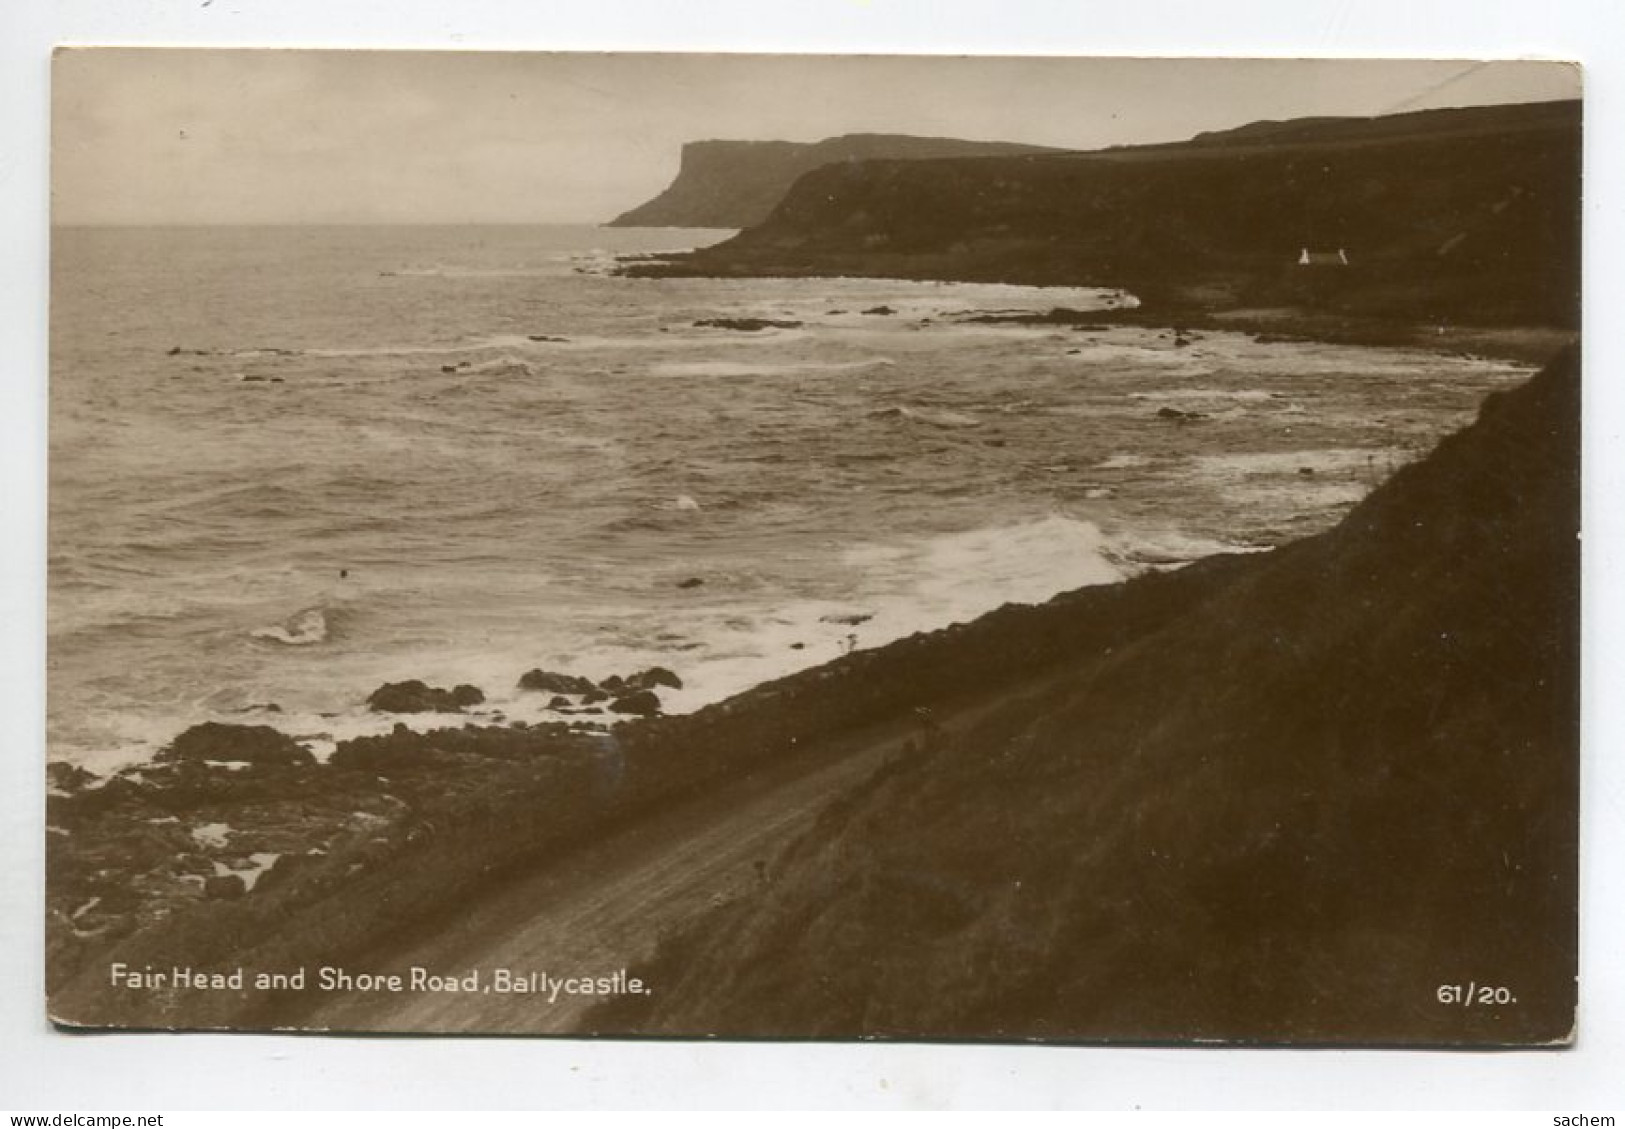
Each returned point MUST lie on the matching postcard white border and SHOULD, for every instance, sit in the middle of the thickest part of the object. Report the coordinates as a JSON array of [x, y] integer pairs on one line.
[[47, 1069]]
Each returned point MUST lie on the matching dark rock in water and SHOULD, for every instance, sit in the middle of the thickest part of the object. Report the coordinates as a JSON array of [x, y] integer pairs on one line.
[[641, 680], [552, 683], [175, 351], [558, 702], [1306, 472], [1177, 416], [65, 777], [643, 703], [660, 676], [851, 619], [221, 887], [746, 325], [654, 676], [880, 311], [798, 646], [257, 744], [691, 582], [545, 337], [1182, 342], [1058, 315], [448, 368], [415, 697], [252, 378]]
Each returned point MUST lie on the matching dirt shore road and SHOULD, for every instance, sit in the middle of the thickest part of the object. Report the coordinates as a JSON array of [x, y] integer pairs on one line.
[[603, 906]]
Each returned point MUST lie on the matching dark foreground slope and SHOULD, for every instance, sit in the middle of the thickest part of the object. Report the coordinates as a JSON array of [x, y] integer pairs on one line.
[[1448, 215], [1345, 778], [737, 183]]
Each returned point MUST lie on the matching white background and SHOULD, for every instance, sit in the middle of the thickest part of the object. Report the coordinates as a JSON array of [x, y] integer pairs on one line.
[[44, 1070]]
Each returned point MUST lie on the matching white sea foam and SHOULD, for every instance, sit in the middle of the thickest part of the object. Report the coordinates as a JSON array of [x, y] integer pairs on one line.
[[898, 588], [933, 418], [302, 629], [211, 834], [1164, 548], [1316, 478], [258, 863], [762, 367], [1208, 395], [1123, 462]]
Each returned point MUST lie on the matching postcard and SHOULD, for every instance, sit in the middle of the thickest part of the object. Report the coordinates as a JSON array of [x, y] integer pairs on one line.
[[848, 547]]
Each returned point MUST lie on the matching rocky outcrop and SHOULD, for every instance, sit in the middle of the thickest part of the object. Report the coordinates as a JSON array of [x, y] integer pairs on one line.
[[633, 693], [414, 696], [737, 183], [258, 745], [746, 325], [549, 682], [642, 703]]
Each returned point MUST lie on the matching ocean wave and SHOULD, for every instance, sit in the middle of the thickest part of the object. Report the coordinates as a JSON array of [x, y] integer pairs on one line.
[[302, 629], [1209, 395], [452, 270], [763, 368], [1123, 461], [1162, 549], [934, 418]]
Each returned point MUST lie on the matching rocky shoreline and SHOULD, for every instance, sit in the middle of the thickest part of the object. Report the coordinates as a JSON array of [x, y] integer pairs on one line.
[[236, 845], [227, 810]]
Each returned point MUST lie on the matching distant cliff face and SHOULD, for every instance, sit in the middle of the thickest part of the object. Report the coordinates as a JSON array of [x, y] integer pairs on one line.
[[738, 183], [1452, 214]]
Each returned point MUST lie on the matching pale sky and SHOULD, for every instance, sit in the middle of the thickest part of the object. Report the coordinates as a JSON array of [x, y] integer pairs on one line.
[[145, 136]]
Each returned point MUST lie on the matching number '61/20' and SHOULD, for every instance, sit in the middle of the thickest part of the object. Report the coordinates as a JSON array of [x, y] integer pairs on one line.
[[1471, 994]]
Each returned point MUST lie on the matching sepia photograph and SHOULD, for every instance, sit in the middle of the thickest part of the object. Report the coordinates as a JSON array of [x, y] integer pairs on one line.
[[1000, 549]]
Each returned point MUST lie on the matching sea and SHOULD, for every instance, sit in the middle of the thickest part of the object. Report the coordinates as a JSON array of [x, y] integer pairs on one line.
[[290, 464]]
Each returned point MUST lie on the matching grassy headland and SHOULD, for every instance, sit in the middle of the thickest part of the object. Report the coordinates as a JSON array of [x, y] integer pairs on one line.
[[1448, 217], [738, 183]]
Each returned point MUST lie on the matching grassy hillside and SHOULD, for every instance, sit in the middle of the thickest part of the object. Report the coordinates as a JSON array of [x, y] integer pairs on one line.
[[738, 183], [1344, 776], [1448, 215]]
